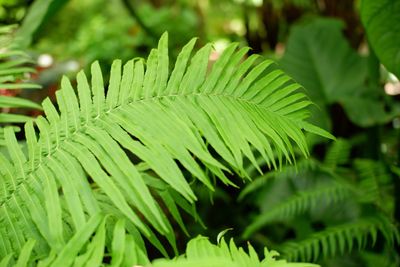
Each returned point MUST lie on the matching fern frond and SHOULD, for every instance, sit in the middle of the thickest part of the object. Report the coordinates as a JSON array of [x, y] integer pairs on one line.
[[23, 257], [201, 252], [286, 172], [387, 258], [12, 71], [87, 247], [172, 117], [374, 181], [337, 154], [299, 203], [173, 201], [340, 239]]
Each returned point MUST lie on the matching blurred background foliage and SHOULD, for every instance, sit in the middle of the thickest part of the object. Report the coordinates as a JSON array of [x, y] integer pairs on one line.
[[341, 207]]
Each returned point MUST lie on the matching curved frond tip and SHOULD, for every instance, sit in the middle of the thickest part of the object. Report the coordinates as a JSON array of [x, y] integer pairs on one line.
[[204, 121]]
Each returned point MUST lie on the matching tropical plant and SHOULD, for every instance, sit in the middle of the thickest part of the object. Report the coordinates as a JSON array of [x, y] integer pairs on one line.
[[341, 204], [341, 207], [321, 59], [200, 252], [103, 159]]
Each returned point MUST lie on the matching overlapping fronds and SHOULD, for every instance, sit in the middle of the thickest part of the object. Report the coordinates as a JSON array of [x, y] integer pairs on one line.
[[374, 181], [341, 239], [124, 252], [301, 202], [87, 247], [80, 164], [201, 252], [13, 68], [366, 188], [337, 154], [287, 172]]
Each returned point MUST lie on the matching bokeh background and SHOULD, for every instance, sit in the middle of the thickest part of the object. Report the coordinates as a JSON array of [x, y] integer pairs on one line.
[[322, 44]]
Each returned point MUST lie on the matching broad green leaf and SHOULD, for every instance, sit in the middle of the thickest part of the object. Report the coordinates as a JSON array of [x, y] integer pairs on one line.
[[381, 21], [319, 58]]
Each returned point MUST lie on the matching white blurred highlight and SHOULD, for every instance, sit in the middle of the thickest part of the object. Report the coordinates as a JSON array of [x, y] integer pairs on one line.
[[45, 60]]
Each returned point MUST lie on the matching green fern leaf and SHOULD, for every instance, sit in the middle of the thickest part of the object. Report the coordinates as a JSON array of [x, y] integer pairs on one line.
[[12, 71], [79, 165], [337, 154], [200, 252], [340, 239], [286, 172], [299, 203]]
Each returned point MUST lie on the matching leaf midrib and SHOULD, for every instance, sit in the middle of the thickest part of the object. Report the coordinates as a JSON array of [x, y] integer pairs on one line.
[[96, 118]]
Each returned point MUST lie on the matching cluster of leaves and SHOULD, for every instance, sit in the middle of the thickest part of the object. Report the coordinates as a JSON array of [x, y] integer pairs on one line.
[[111, 167], [330, 207], [93, 29], [199, 252], [319, 57], [78, 171], [13, 72]]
